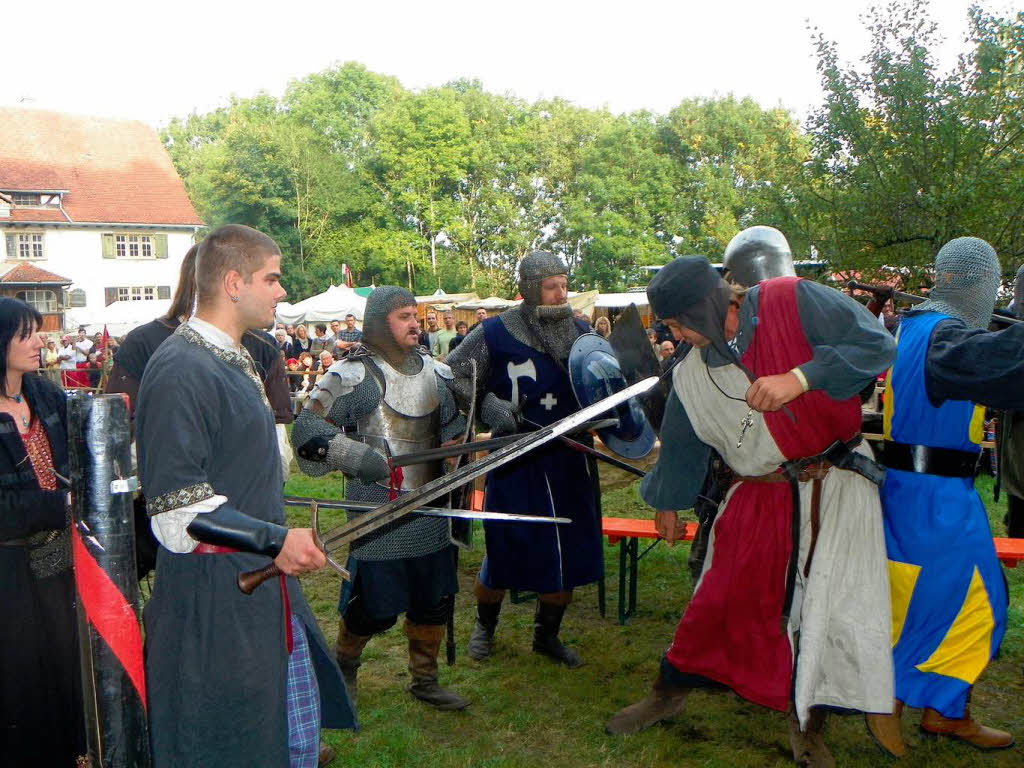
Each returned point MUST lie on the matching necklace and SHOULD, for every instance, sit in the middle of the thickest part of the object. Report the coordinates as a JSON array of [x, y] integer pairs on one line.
[[747, 421], [19, 399]]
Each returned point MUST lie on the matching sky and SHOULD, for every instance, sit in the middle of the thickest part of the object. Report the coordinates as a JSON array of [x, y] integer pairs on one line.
[[154, 61]]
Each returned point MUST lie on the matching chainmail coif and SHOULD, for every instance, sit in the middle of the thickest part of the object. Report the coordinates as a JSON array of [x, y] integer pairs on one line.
[[967, 280], [552, 325], [377, 335]]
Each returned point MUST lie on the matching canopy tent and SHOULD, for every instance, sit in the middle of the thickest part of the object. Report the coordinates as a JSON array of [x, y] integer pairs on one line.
[[621, 300], [491, 304], [119, 317], [333, 304]]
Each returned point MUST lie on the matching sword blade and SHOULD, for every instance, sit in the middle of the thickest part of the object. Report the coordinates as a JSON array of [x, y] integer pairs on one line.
[[465, 514], [386, 513]]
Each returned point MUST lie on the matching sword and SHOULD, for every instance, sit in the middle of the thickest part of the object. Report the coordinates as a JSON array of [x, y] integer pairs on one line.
[[909, 298], [367, 506], [393, 510]]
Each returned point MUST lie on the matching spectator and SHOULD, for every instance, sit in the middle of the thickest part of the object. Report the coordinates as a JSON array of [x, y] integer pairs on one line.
[[320, 339], [348, 338], [306, 365], [66, 362], [282, 327], [301, 341], [40, 681], [428, 336], [290, 330], [603, 326], [667, 349], [444, 337], [326, 361], [281, 340], [291, 365], [460, 333], [50, 361], [652, 336], [335, 330], [481, 315], [578, 314]]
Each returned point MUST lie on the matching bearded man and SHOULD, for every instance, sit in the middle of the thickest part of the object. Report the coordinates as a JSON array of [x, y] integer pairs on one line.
[[792, 603], [397, 400], [948, 593], [521, 372]]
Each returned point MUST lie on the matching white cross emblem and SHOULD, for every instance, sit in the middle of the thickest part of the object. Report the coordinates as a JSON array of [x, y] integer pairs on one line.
[[549, 401]]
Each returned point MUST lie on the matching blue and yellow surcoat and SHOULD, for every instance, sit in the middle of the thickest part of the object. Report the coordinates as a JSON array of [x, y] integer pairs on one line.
[[948, 593]]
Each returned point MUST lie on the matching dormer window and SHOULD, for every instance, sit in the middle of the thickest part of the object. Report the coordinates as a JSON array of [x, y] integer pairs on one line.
[[26, 198]]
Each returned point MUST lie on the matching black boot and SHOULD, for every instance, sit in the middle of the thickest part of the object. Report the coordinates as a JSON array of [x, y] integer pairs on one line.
[[481, 640], [348, 650], [547, 622], [424, 645]]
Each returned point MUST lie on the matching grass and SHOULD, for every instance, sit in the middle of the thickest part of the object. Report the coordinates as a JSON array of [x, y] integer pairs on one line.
[[529, 712]]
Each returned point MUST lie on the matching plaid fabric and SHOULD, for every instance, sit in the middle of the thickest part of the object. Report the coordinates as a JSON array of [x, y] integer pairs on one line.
[[346, 335], [303, 703]]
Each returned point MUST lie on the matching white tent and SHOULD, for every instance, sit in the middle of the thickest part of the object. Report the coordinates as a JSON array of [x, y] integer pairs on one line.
[[119, 317], [621, 300], [333, 304], [490, 303]]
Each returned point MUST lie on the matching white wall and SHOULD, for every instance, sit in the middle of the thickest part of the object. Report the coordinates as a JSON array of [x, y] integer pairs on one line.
[[77, 254]]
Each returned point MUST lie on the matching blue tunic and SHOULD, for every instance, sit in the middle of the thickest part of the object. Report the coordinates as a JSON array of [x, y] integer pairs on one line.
[[553, 481], [948, 594]]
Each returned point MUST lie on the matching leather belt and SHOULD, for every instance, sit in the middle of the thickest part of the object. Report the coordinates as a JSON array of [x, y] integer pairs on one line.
[[216, 549], [926, 460]]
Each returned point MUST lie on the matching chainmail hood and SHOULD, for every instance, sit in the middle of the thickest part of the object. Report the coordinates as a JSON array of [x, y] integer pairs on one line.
[[534, 269], [967, 280], [1018, 294], [549, 329], [377, 335]]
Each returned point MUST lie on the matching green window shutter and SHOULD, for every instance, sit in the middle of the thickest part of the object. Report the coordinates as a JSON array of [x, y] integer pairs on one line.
[[160, 246], [108, 247], [109, 294], [163, 291]]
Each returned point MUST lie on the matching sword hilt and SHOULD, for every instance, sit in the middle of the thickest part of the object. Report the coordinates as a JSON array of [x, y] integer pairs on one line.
[[249, 580]]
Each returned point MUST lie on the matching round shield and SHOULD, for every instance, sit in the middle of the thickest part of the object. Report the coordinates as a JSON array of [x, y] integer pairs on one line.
[[595, 374]]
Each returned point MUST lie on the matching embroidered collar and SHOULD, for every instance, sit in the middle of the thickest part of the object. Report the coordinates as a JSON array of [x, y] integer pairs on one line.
[[195, 332]]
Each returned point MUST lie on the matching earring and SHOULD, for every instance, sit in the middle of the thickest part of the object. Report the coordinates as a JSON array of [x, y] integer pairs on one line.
[[234, 299]]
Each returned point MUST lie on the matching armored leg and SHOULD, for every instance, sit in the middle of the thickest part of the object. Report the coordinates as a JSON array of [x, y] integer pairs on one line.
[[547, 623], [488, 606], [424, 646]]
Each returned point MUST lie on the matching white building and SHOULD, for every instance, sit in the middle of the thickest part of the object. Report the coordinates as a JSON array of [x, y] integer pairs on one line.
[[96, 201]]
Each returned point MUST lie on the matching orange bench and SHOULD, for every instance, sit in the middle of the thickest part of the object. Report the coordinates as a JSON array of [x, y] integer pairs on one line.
[[627, 532]]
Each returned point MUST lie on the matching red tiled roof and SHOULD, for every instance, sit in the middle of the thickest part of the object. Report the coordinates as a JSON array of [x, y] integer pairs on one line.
[[117, 171], [30, 273], [35, 214]]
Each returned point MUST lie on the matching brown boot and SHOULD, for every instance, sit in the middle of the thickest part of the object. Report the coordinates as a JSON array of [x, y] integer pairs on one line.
[[424, 645], [809, 750], [966, 729], [663, 703], [348, 650], [326, 754], [885, 730]]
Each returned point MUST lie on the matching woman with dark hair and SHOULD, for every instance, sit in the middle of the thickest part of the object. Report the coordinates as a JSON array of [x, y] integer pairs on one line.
[[41, 713]]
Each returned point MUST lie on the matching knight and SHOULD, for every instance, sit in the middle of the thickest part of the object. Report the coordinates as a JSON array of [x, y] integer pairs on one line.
[[524, 383], [387, 399]]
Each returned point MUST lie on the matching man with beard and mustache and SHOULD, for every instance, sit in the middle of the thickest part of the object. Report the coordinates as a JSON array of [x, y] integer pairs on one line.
[[521, 372], [397, 400]]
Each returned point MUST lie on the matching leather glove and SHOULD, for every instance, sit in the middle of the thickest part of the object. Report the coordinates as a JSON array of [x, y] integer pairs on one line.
[[498, 415], [228, 527]]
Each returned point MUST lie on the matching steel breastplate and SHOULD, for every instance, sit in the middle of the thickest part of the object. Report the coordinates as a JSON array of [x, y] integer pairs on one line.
[[407, 419]]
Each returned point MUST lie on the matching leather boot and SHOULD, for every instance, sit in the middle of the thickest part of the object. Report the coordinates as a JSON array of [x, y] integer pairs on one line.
[[663, 703], [326, 755], [809, 750], [547, 622], [424, 645], [885, 730], [348, 650], [481, 640], [966, 729]]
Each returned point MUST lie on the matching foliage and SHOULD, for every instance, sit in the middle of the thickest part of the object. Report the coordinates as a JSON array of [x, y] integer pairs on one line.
[[450, 187]]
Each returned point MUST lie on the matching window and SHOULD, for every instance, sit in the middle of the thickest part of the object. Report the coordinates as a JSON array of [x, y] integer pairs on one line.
[[42, 300], [133, 246], [76, 298], [25, 245], [136, 293], [122, 294], [25, 198]]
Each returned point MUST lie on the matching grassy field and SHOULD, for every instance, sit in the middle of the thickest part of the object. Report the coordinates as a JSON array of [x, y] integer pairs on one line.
[[527, 711]]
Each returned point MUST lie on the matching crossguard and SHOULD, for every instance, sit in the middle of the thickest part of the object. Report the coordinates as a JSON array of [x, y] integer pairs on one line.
[[314, 523]]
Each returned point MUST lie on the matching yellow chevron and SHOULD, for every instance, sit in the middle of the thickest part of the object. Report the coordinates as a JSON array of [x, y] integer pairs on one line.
[[965, 650], [902, 579]]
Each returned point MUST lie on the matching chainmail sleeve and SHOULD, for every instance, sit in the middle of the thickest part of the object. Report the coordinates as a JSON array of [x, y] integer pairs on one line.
[[348, 396], [453, 423], [473, 347]]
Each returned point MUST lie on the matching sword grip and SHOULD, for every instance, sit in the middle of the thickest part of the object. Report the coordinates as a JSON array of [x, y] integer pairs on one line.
[[249, 580]]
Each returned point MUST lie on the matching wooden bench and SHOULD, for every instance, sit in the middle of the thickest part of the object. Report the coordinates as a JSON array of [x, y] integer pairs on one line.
[[627, 532]]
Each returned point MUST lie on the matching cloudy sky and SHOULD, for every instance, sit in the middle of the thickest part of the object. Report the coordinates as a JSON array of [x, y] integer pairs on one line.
[[152, 61]]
